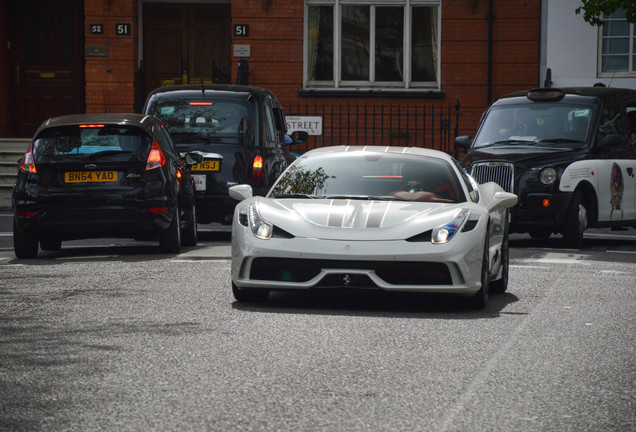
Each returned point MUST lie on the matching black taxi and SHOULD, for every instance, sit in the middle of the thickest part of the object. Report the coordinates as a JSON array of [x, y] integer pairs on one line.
[[568, 153], [239, 131]]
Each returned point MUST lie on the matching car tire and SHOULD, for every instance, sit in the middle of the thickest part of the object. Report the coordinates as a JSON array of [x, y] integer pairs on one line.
[[190, 235], [575, 222], [50, 244], [479, 300], [170, 238], [24, 245], [501, 285], [249, 295]]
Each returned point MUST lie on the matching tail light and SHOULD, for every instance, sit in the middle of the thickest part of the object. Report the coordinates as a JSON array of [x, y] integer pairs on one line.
[[159, 210], [26, 214], [257, 168], [156, 158], [28, 161]]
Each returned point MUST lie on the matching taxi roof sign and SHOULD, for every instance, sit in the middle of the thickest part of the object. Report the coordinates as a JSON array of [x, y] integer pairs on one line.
[[546, 94]]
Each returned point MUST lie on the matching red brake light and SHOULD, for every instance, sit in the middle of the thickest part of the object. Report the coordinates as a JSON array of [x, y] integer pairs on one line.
[[200, 103], [26, 214], [156, 159], [28, 161], [91, 126], [257, 168]]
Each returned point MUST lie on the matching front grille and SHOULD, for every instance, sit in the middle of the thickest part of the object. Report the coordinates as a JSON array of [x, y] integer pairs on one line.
[[394, 273], [502, 173]]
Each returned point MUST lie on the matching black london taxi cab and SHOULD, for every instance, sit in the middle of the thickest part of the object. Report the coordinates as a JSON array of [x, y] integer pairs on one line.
[[239, 130], [569, 154]]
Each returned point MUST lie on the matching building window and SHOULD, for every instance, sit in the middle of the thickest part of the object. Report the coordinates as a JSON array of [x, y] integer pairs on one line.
[[365, 44], [618, 46]]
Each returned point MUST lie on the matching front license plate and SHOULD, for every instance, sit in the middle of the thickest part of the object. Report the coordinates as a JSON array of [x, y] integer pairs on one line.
[[199, 182], [207, 165], [90, 176]]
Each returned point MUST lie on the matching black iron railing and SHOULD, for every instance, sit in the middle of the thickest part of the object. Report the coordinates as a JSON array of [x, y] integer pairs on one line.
[[395, 124]]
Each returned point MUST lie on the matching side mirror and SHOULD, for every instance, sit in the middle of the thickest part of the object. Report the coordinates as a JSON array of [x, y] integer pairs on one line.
[[192, 159], [612, 141], [240, 192], [463, 141], [502, 200]]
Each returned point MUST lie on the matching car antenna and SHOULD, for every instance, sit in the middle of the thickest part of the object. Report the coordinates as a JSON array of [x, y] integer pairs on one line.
[[203, 87]]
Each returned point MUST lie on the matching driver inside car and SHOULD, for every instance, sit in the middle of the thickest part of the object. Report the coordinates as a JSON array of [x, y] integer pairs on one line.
[[414, 188]]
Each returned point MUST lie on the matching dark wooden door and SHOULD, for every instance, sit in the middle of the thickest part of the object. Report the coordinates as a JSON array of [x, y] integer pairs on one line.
[[48, 60], [186, 43]]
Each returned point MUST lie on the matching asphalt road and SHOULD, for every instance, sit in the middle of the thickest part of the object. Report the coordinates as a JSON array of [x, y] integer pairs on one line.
[[113, 335]]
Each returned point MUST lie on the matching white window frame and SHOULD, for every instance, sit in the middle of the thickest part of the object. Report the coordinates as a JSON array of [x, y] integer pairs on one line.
[[338, 83], [632, 52]]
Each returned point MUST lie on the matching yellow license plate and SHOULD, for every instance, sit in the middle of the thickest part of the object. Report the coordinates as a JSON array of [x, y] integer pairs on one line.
[[90, 176], [207, 165]]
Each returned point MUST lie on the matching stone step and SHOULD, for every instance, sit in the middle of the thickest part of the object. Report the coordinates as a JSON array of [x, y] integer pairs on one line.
[[7, 179], [10, 156], [19, 145], [11, 150]]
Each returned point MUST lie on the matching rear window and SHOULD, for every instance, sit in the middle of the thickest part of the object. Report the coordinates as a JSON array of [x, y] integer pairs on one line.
[[205, 118], [89, 141]]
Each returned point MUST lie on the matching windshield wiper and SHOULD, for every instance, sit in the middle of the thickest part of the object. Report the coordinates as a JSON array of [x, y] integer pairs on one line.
[[514, 142], [179, 137], [363, 197], [298, 195], [559, 140], [108, 153]]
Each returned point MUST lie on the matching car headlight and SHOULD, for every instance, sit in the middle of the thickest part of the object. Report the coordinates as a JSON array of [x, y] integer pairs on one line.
[[444, 233], [547, 176], [259, 226]]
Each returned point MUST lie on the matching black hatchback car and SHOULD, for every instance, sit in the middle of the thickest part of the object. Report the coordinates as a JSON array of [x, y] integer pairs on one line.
[[103, 175], [239, 131]]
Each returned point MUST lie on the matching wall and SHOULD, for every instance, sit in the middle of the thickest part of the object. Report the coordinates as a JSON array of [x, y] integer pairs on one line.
[[110, 80], [5, 76], [276, 62], [276, 39], [572, 48]]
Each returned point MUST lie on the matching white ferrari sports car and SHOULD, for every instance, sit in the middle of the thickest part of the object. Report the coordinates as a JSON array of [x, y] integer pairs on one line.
[[388, 218]]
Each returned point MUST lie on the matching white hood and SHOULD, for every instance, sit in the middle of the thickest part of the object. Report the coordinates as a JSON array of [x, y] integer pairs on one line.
[[340, 219]]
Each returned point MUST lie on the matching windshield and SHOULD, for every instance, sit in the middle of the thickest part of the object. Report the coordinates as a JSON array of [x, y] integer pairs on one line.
[[89, 141], [203, 118], [364, 175], [544, 123]]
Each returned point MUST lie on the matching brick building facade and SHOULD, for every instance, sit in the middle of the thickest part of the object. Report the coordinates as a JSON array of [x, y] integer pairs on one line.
[[485, 49]]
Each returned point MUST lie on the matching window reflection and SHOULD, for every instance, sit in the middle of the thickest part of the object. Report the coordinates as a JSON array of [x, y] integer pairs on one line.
[[355, 43], [389, 44], [320, 43]]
